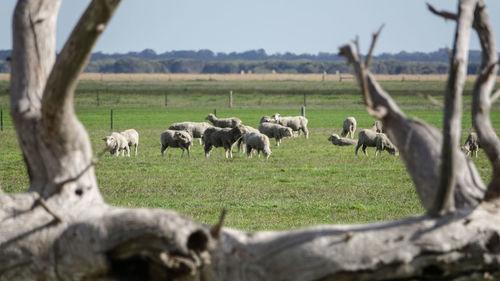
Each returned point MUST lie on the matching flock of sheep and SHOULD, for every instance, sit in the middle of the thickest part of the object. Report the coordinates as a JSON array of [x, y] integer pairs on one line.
[[376, 137], [225, 132], [228, 132]]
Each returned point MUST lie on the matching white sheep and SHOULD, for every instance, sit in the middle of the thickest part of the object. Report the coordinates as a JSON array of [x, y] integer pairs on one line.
[[471, 144], [378, 127], [132, 137], [297, 123], [275, 131], [266, 118], [248, 129], [336, 140], [222, 137], [180, 139], [223, 122], [195, 129], [349, 127], [370, 138], [259, 142], [117, 143], [382, 142]]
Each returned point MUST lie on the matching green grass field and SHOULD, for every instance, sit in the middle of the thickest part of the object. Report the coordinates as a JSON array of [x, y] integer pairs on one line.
[[304, 182]]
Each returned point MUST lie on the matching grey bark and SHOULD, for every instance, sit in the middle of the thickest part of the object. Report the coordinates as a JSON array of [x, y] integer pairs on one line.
[[61, 229]]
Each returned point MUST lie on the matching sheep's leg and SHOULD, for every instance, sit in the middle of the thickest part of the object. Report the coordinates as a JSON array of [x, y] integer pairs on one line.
[[182, 154], [249, 151], [208, 148], [136, 145], [189, 151], [163, 149], [128, 150], [357, 147], [278, 141], [306, 132], [199, 141], [364, 149]]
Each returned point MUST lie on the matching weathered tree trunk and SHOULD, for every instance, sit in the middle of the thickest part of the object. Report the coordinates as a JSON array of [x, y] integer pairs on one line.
[[62, 230]]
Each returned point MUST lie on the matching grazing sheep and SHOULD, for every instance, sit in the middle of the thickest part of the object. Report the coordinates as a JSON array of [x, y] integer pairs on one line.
[[225, 137], [348, 127], [366, 138], [172, 138], [224, 122], [248, 130], [297, 123], [336, 140], [132, 137], [195, 129], [378, 127], [275, 131], [266, 118], [259, 142], [117, 143], [382, 142], [471, 145]]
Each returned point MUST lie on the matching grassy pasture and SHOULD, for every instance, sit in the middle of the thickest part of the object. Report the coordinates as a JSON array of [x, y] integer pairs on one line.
[[304, 182]]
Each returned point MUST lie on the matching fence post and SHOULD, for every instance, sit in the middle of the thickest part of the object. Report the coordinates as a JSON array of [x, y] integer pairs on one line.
[[111, 119], [303, 111], [304, 99], [166, 99], [215, 112], [231, 99], [339, 76]]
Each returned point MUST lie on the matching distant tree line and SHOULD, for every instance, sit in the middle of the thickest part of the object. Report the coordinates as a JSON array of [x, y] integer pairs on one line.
[[257, 61]]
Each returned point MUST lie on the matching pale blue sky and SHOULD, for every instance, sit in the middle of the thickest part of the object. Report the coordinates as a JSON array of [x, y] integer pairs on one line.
[[277, 26]]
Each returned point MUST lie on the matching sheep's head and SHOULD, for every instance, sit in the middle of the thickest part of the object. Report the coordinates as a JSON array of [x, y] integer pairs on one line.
[[111, 143], [210, 117], [288, 132], [238, 130], [265, 119], [276, 116], [333, 137]]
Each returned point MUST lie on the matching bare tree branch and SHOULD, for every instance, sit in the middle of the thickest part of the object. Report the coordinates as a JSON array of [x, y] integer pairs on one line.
[[445, 14], [482, 98], [372, 46], [453, 109], [431, 99], [495, 96]]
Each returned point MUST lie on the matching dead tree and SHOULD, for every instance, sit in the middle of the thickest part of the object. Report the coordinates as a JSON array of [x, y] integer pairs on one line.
[[60, 229]]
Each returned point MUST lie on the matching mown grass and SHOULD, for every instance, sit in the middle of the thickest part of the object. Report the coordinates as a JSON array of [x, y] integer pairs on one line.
[[304, 182]]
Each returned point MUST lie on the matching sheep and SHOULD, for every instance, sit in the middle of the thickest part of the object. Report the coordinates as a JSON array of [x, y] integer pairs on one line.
[[117, 143], [382, 142], [266, 118], [132, 137], [259, 142], [297, 123], [223, 122], [471, 144], [378, 127], [173, 138], [275, 131], [225, 137], [336, 140], [348, 127], [248, 130], [368, 137], [195, 129]]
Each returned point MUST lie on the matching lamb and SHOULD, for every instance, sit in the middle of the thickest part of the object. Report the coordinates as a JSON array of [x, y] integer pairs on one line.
[[297, 123], [348, 127], [132, 137], [370, 138], [248, 130], [382, 142], [224, 122], [378, 127], [225, 137], [117, 143], [259, 142], [275, 131], [471, 144], [173, 138], [195, 129], [336, 140]]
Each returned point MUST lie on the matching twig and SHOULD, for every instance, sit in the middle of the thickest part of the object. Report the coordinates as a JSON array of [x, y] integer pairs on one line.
[[216, 229], [92, 163], [40, 201], [372, 46], [495, 96], [431, 99], [445, 14]]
